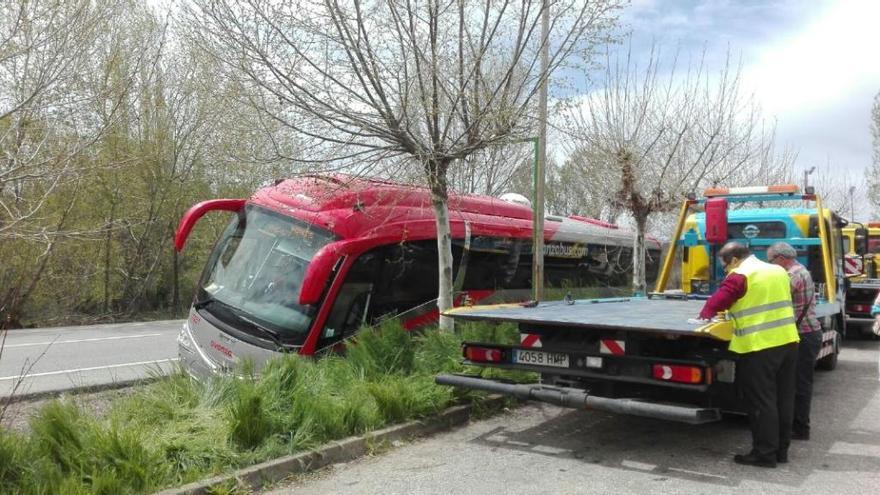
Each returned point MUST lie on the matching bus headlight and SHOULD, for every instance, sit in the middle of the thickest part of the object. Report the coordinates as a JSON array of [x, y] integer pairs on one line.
[[184, 341]]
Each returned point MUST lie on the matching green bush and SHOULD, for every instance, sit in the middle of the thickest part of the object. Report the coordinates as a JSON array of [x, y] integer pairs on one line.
[[248, 423], [492, 333], [14, 460], [58, 431], [437, 352], [387, 349], [120, 459]]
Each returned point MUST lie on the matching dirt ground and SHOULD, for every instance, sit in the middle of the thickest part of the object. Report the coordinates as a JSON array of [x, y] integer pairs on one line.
[[16, 415]]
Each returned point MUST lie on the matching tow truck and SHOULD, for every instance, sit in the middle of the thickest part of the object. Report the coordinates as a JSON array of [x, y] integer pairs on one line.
[[640, 355], [862, 253]]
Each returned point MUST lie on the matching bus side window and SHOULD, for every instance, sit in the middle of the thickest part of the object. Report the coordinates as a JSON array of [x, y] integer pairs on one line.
[[353, 302], [408, 276]]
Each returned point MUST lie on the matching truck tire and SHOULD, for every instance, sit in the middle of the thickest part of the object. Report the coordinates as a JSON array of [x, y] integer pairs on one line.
[[829, 362]]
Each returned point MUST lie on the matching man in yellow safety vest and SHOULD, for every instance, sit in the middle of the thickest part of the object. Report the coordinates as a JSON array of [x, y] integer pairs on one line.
[[758, 298]]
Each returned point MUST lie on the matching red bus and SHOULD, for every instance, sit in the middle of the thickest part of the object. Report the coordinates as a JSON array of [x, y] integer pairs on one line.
[[306, 262]]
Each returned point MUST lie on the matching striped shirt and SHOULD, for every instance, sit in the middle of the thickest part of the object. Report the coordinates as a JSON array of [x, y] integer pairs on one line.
[[803, 293]]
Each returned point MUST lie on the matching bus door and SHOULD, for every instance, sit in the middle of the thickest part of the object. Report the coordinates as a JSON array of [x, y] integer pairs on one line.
[[352, 306]]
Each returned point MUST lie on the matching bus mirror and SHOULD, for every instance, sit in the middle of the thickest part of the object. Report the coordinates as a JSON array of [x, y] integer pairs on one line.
[[716, 221], [189, 219], [861, 240]]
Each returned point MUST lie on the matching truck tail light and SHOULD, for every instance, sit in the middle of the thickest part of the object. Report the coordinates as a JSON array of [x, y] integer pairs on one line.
[[859, 308], [678, 373], [483, 354]]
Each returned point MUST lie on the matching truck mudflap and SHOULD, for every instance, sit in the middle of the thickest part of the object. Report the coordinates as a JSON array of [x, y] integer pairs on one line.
[[581, 399]]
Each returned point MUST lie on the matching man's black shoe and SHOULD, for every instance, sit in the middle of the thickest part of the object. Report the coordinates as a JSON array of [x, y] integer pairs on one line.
[[754, 460], [800, 435], [782, 457]]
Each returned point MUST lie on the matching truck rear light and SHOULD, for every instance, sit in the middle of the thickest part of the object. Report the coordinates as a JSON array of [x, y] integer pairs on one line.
[[483, 354], [677, 373], [859, 308]]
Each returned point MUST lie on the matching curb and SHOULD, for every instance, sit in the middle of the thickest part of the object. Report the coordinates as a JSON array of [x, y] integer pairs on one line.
[[344, 450], [82, 389]]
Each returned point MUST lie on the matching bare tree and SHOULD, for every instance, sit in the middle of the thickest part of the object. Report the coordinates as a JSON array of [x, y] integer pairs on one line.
[[45, 49], [656, 133], [872, 174], [493, 171], [427, 83], [581, 185], [841, 191], [48, 122]]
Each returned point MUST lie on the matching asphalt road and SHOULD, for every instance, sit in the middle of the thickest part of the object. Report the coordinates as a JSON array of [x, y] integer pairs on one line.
[[546, 449], [56, 359]]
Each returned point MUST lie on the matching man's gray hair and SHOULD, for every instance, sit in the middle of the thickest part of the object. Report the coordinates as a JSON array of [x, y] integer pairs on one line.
[[783, 249]]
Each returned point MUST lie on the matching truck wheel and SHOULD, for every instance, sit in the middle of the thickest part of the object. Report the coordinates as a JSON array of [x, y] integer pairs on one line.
[[839, 324], [829, 362]]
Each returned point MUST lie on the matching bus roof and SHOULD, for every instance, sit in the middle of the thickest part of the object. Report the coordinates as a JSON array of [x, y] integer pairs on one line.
[[355, 207]]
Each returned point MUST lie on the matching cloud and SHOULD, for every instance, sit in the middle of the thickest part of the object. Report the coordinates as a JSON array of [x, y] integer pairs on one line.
[[812, 66], [819, 83], [821, 65]]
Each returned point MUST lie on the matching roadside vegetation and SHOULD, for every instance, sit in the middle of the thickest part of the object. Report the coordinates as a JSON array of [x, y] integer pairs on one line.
[[178, 430]]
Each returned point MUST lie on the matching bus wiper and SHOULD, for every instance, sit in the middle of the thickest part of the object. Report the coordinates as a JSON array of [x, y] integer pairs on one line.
[[272, 334]]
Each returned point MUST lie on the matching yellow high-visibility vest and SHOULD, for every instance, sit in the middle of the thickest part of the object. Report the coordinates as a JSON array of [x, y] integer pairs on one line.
[[764, 316]]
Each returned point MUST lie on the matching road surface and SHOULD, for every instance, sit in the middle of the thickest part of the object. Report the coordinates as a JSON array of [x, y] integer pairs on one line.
[[546, 449], [56, 359]]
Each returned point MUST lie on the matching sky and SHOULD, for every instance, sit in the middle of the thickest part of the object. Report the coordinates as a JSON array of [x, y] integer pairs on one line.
[[814, 66]]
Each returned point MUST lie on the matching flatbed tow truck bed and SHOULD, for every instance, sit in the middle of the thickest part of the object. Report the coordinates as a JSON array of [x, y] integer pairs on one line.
[[640, 314]]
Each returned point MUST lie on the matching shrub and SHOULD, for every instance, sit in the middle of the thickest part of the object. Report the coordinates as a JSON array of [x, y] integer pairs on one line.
[[438, 352], [121, 459], [14, 460], [383, 350], [58, 431], [493, 333], [248, 422]]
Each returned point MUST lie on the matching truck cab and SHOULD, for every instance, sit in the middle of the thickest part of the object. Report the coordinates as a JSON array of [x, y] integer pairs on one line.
[[759, 228], [861, 245]]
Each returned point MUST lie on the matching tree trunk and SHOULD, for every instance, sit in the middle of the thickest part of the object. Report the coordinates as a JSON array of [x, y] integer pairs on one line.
[[439, 198], [108, 243], [175, 289], [639, 283]]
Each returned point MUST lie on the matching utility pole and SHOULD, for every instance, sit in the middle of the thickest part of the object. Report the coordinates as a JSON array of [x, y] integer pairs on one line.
[[538, 206], [852, 207], [806, 174]]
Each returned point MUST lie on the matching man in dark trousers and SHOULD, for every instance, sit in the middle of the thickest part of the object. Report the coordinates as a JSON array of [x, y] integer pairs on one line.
[[758, 298], [803, 298]]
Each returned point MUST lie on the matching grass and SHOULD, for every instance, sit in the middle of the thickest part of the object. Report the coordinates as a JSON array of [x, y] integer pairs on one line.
[[178, 430]]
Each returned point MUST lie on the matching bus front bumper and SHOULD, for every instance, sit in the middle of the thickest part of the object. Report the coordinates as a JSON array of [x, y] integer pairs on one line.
[[191, 358], [581, 399]]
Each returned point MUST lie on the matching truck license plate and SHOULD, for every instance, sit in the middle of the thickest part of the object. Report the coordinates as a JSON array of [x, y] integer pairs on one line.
[[538, 358]]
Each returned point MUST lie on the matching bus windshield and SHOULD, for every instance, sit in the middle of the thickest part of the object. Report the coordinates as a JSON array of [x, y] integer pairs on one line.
[[253, 277]]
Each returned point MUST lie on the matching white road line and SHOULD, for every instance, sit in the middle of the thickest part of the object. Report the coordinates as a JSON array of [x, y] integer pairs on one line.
[[858, 449], [93, 368], [9, 346]]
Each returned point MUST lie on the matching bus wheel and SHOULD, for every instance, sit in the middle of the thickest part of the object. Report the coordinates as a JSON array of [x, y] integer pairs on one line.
[[829, 362]]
